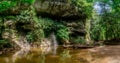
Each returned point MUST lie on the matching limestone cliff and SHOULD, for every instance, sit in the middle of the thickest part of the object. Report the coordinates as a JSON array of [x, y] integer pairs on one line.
[[69, 14]]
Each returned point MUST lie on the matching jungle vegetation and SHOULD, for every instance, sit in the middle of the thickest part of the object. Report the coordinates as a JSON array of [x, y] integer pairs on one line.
[[100, 18]]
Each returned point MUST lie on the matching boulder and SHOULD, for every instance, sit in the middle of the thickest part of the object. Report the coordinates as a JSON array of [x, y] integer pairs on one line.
[[57, 9]]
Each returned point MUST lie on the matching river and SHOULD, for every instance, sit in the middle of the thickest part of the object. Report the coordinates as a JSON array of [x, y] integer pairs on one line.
[[102, 54]]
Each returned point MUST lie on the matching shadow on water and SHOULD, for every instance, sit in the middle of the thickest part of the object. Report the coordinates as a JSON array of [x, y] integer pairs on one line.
[[106, 54]]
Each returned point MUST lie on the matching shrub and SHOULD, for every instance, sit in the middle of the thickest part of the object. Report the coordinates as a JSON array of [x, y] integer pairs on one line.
[[63, 33], [27, 1], [5, 5]]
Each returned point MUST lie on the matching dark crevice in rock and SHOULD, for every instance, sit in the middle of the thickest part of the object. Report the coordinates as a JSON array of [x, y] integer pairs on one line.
[[21, 27], [115, 41], [57, 17]]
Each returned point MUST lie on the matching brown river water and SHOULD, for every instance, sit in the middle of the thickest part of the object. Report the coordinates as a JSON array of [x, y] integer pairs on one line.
[[102, 54]]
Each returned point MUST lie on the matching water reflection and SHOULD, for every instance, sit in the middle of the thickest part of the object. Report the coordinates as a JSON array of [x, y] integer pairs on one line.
[[20, 54], [65, 55], [113, 59], [61, 55]]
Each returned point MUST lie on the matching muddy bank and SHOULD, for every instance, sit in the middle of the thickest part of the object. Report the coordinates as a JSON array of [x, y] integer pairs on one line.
[[101, 54], [8, 50], [107, 50]]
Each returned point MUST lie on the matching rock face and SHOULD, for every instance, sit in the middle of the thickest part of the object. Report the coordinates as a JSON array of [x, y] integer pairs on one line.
[[76, 27], [77, 30], [57, 9], [68, 13]]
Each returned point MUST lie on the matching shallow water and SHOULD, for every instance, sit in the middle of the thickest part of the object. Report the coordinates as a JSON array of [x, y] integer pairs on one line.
[[103, 54]]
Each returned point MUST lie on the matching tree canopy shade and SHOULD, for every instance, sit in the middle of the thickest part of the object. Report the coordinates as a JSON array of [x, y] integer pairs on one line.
[[106, 24]]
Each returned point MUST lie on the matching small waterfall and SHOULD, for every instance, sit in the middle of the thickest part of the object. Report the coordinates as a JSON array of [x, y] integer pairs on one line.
[[53, 39], [23, 44], [20, 41], [54, 42], [49, 44], [87, 27], [20, 54]]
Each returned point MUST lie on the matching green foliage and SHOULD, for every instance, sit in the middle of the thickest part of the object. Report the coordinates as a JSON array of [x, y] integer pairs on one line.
[[5, 5], [1, 24], [50, 25], [81, 41], [8, 4], [4, 44], [30, 37], [63, 33], [25, 16], [1, 44], [84, 7], [47, 24], [38, 30], [39, 34], [114, 4], [77, 40], [1, 27], [29, 16], [10, 17], [27, 1], [106, 26]]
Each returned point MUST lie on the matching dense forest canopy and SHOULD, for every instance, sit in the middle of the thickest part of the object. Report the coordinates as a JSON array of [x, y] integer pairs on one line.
[[107, 22]]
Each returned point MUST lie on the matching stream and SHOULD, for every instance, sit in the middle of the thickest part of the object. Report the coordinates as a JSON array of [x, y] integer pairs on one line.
[[102, 54]]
